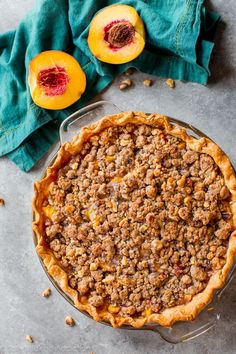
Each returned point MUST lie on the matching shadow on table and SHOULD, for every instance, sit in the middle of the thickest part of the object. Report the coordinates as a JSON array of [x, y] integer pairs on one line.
[[221, 68], [229, 302]]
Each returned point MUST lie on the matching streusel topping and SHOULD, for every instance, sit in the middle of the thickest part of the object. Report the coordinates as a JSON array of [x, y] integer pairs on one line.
[[138, 221]]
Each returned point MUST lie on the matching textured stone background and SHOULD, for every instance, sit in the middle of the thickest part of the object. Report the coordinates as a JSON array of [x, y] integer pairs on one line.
[[22, 279]]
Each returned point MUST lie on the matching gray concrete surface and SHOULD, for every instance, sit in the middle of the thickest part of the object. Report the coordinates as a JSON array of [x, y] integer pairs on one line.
[[22, 309]]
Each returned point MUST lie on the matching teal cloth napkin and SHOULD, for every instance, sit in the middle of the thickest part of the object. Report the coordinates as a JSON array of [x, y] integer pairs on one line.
[[178, 45]]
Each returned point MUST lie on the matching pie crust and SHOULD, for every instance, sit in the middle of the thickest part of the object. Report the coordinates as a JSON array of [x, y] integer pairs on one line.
[[169, 316]]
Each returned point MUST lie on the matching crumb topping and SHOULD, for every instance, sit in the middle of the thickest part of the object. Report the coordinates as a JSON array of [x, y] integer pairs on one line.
[[138, 221]]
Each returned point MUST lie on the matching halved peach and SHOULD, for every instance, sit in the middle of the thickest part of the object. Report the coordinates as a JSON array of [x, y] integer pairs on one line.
[[56, 79], [116, 34]]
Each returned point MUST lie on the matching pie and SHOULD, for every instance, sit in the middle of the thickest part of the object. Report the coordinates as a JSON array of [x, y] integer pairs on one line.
[[136, 220]]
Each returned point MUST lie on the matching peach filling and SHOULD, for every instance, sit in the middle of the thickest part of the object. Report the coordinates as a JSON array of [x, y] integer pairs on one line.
[[53, 80], [119, 33]]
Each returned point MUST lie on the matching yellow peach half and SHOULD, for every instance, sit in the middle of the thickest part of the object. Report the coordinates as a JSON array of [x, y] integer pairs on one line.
[[116, 34], [56, 80]]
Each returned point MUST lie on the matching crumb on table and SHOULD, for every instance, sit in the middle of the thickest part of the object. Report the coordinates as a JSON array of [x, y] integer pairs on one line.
[[148, 82], [125, 84], [129, 71], [29, 339], [69, 321], [47, 292], [170, 83]]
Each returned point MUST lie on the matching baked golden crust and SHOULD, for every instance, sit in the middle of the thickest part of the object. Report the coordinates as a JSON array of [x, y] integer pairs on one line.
[[183, 312]]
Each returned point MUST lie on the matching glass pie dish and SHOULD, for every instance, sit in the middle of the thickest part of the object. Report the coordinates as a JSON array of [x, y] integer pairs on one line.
[[180, 331]]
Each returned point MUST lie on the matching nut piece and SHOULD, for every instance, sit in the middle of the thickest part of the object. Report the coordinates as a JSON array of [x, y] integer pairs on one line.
[[147, 82], [170, 83], [29, 339], [2, 201], [129, 71], [69, 321], [47, 292], [125, 83]]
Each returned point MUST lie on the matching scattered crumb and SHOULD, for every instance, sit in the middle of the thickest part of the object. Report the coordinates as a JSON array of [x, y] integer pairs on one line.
[[125, 83], [29, 339], [2, 201], [69, 321], [47, 292], [147, 82], [170, 83], [129, 71], [210, 309]]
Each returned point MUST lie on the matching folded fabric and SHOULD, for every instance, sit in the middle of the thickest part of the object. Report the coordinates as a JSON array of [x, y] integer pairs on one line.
[[178, 45]]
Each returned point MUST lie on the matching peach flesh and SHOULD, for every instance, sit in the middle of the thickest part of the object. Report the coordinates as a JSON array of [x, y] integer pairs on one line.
[[119, 33], [53, 80]]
